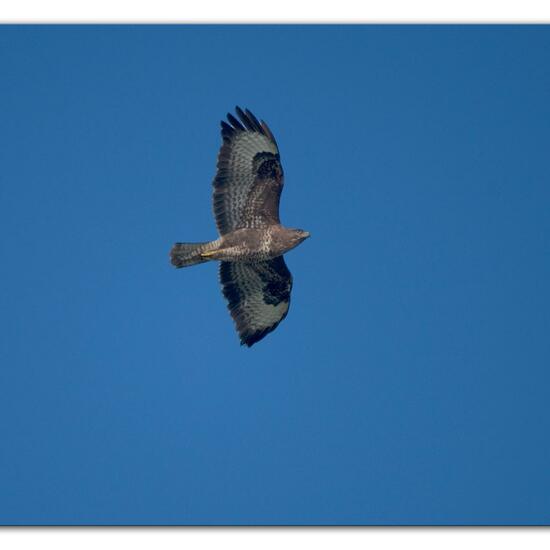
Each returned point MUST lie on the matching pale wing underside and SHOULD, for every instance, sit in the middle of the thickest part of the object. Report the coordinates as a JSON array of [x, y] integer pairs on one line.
[[249, 180], [258, 296]]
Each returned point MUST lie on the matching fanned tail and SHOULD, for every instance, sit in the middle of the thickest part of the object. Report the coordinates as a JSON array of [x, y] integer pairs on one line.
[[185, 254]]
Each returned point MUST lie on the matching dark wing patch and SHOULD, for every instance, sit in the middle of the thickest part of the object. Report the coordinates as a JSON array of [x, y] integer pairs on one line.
[[249, 180], [258, 296]]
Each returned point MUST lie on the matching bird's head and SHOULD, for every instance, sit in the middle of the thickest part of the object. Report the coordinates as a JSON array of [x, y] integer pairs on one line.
[[300, 235]]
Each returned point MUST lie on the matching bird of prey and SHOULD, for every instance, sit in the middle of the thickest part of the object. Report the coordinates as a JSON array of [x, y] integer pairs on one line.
[[247, 188]]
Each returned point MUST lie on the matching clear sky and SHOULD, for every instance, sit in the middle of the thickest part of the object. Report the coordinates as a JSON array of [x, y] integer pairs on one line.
[[409, 383]]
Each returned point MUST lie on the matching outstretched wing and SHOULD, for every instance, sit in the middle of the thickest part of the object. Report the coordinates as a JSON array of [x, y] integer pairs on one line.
[[249, 180], [258, 296]]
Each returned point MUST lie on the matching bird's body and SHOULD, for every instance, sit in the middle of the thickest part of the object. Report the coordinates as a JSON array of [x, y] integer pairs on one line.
[[261, 244], [247, 189]]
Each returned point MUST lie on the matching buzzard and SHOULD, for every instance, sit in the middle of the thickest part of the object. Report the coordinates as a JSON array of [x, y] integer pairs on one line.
[[247, 188]]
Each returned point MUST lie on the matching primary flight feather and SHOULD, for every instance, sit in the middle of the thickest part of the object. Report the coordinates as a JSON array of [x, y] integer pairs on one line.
[[247, 188]]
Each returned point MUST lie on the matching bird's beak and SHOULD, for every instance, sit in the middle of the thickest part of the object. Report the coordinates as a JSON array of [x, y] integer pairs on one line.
[[306, 234]]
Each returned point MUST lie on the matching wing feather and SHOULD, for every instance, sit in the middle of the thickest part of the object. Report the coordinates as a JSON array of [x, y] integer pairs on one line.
[[258, 296], [249, 179], [234, 122]]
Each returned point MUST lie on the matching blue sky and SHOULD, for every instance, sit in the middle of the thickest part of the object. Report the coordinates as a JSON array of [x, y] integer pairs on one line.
[[409, 383]]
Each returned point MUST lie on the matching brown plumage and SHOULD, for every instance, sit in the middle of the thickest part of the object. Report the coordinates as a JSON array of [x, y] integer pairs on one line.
[[247, 188]]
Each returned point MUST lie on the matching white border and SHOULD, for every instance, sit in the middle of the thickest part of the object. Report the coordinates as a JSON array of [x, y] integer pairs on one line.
[[272, 11], [275, 538]]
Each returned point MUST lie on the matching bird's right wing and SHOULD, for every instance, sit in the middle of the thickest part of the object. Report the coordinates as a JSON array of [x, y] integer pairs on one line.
[[249, 180], [258, 296]]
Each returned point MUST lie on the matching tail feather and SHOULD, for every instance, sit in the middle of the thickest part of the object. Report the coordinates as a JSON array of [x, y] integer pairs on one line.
[[185, 254]]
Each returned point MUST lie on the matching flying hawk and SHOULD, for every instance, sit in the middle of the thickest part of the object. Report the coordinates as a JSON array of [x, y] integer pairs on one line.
[[247, 188]]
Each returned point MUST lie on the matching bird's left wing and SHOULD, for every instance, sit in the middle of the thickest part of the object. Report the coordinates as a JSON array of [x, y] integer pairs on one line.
[[258, 296]]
